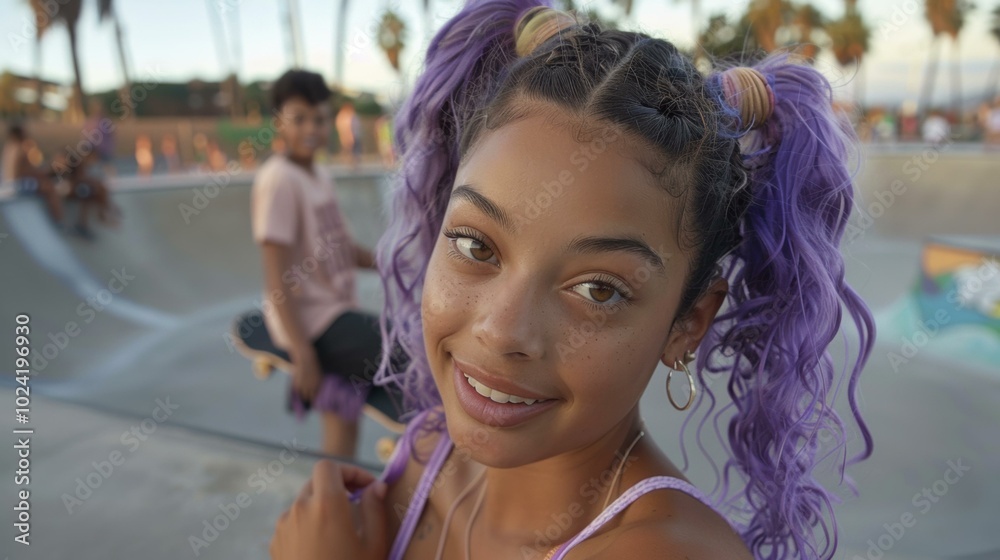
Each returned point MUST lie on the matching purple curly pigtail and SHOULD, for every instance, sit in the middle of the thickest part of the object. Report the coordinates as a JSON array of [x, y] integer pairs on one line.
[[787, 296], [466, 58]]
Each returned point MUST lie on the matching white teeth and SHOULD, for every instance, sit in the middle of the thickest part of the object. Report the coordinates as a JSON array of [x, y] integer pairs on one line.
[[498, 396]]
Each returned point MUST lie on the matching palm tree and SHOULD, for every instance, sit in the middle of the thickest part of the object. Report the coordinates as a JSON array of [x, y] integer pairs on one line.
[[850, 36], [392, 37], [588, 13], [946, 17], [807, 20], [228, 62], [106, 11], [991, 83], [724, 40], [237, 107], [699, 51], [341, 43], [427, 19], [67, 12], [294, 32], [765, 18]]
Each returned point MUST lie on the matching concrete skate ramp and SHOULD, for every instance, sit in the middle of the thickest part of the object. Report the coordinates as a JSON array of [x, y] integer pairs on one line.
[[143, 311], [183, 276]]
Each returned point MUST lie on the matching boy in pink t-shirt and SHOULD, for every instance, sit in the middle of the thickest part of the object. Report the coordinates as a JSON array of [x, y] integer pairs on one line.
[[309, 256]]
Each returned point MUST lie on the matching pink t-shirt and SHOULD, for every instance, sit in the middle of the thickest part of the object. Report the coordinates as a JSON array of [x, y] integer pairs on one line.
[[291, 207]]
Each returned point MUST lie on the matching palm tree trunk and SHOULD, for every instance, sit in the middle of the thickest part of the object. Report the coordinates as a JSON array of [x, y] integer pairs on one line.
[[294, 42], [221, 50], [39, 90], [992, 82], [428, 32], [930, 73], [236, 62], [122, 60], [341, 38], [956, 82], [77, 79], [699, 51], [859, 86]]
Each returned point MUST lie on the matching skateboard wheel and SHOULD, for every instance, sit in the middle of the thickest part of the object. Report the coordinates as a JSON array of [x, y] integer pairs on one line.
[[262, 369], [384, 448]]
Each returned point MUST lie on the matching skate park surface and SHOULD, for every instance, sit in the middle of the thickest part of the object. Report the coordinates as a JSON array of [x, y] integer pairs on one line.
[[131, 329]]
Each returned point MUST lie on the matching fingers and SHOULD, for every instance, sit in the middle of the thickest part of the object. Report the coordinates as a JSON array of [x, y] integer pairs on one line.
[[373, 522], [306, 491], [355, 477], [352, 478], [326, 479], [304, 385]]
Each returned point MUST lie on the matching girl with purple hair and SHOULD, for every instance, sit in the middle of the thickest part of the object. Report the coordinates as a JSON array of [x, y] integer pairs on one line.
[[576, 205]]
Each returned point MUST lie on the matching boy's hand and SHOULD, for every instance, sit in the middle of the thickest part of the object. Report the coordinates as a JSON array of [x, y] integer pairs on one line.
[[320, 524], [306, 375]]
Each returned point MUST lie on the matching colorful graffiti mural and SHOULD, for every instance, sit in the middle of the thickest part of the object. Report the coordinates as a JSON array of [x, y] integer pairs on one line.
[[963, 281]]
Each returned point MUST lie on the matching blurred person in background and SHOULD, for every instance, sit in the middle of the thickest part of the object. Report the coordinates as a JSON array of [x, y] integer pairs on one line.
[[90, 191], [28, 178], [936, 129], [144, 158], [101, 128], [990, 119], [383, 129], [349, 132], [308, 254], [168, 147], [217, 158], [248, 157], [200, 143], [909, 124], [885, 127]]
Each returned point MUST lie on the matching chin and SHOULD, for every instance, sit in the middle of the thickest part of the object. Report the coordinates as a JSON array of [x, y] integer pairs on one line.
[[500, 448]]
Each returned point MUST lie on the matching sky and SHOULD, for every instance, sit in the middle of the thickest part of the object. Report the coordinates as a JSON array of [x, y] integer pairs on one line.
[[173, 41]]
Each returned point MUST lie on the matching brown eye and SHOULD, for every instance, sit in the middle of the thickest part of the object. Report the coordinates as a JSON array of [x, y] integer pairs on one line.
[[601, 293], [474, 249]]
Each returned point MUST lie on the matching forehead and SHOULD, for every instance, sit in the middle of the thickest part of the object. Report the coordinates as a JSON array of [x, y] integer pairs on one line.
[[299, 105], [572, 179]]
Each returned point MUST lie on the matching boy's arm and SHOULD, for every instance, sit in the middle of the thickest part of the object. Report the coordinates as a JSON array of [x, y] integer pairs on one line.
[[275, 220], [276, 259]]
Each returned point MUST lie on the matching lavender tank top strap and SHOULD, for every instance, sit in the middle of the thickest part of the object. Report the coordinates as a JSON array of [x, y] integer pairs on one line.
[[419, 499], [632, 494], [396, 465]]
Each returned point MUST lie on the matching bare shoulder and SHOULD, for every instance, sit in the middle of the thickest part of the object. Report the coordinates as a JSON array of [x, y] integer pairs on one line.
[[666, 525]]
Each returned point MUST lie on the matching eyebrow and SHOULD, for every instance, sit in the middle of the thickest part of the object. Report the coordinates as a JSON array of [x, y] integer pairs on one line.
[[485, 205], [583, 244], [628, 244]]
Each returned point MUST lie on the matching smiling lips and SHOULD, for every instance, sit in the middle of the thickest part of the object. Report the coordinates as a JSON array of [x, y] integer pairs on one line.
[[495, 401], [496, 395]]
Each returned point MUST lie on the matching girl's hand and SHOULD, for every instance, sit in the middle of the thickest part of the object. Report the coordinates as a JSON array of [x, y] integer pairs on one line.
[[322, 525]]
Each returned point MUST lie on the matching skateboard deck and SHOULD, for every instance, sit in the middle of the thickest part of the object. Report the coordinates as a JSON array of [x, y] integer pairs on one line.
[[251, 339]]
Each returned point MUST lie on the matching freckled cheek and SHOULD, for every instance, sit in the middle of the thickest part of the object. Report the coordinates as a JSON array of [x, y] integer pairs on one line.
[[608, 366], [444, 303]]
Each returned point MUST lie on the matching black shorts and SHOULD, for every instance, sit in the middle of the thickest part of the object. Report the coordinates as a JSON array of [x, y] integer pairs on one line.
[[349, 352]]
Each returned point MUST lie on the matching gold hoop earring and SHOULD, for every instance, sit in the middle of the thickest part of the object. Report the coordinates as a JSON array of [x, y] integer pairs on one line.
[[688, 356]]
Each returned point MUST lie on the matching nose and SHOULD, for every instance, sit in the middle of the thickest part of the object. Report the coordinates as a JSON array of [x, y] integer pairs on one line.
[[510, 320]]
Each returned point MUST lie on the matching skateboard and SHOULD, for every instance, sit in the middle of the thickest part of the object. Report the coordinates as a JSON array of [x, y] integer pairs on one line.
[[251, 339]]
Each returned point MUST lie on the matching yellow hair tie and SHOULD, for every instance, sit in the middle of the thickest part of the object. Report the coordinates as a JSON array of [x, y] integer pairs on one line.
[[747, 89], [538, 25]]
